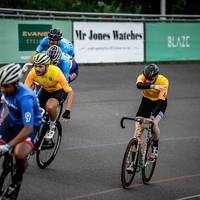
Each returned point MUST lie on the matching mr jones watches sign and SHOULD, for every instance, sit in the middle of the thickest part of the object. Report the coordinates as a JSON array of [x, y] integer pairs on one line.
[[96, 42]]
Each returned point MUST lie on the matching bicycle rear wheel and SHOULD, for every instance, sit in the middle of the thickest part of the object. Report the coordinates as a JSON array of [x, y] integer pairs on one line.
[[130, 156], [149, 166], [45, 153]]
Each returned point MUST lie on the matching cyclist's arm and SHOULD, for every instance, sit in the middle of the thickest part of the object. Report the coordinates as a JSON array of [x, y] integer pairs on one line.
[[162, 99], [70, 94], [142, 86], [65, 67], [29, 80], [26, 106], [67, 47], [140, 83], [4, 112], [164, 91]]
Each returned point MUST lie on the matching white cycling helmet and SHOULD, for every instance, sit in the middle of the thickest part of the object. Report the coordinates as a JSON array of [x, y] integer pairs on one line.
[[10, 73]]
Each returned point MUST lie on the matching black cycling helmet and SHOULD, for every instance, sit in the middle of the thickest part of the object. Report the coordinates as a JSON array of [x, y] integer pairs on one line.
[[150, 71], [55, 34]]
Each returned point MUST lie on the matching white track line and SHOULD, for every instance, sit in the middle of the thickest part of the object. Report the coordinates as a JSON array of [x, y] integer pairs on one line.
[[189, 197], [136, 185]]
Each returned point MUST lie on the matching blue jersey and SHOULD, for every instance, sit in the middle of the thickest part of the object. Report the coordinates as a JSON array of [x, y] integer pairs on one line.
[[64, 64], [65, 45], [68, 66], [23, 107]]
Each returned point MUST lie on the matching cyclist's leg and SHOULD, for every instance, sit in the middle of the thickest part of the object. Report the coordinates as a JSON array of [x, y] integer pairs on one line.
[[155, 137], [21, 152], [156, 129], [52, 104], [143, 111], [51, 108], [43, 97], [157, 118]]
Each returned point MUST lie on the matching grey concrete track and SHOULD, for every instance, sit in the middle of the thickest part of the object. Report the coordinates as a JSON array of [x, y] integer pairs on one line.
[[89, 160]]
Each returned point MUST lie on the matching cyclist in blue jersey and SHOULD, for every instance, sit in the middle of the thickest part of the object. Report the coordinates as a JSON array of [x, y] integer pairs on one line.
[[20, 127], [68, 66], [54, 38]]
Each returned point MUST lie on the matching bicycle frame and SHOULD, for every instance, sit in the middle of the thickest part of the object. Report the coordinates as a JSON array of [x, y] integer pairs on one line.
[[141, 150]]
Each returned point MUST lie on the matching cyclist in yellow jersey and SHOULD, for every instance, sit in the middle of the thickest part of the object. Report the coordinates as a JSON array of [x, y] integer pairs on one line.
[[154, 87], [55, 88]]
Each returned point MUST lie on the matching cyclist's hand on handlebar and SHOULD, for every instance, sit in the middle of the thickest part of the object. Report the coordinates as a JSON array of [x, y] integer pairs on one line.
[[5, 148], [26, 66], [148, 120], [66, 116]]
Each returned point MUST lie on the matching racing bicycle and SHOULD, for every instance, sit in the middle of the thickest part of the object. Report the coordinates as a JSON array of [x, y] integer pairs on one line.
[[137, 154]]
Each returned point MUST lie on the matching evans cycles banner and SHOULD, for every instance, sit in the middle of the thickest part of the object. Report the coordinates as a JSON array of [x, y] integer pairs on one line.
[[172, 41], [107, 42], [30, 35]]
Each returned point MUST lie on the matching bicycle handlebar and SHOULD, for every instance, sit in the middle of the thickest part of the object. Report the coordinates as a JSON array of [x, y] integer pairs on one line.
[[137, 119]]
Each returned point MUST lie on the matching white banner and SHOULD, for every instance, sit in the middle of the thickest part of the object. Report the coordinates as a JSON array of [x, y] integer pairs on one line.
[[108, 42]]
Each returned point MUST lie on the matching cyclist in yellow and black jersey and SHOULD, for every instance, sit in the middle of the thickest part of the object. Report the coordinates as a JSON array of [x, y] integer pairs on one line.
[[154, 88], [55, 88]]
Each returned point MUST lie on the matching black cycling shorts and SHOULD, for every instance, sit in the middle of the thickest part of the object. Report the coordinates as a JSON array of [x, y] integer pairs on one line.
[[44, 96], [147, 106]]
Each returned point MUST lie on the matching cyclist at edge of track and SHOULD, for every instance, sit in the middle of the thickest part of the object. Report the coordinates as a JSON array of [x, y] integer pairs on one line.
[[154, 87], [21, 125]]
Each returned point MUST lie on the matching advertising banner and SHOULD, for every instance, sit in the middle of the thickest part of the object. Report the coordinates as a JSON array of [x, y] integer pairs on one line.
[[30, 35], [172, 41], [20, 37], [108, 42]]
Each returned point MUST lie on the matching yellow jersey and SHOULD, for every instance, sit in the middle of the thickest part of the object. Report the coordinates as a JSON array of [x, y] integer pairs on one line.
[[51, 81], [154, 94]]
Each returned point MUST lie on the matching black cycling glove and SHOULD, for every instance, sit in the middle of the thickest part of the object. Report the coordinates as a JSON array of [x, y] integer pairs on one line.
[[66, 114]]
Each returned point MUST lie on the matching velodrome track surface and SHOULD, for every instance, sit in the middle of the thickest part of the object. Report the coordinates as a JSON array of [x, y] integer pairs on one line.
[[88, 163]]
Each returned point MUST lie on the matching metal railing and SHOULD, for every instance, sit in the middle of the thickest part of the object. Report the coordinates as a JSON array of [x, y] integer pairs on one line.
[[88, 16]]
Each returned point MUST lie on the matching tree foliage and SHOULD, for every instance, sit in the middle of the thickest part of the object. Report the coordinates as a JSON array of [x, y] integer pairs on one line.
[[113, 6]]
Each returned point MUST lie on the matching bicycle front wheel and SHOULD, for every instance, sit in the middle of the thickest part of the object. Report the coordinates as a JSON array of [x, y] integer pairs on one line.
[[149, 165], [6, 176], [47, 150], [130, 161]]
